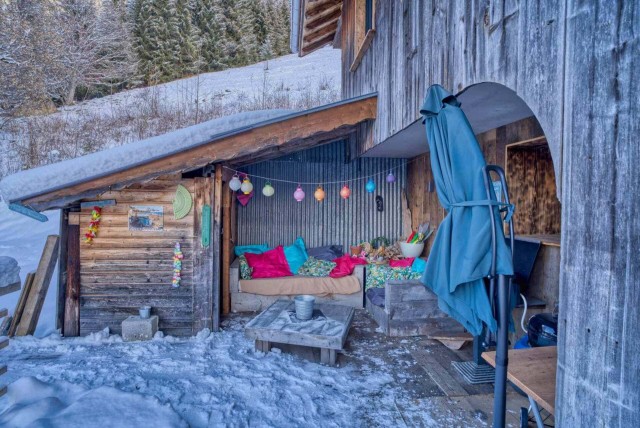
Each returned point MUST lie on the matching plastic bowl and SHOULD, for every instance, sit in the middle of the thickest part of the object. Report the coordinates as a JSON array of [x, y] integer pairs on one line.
[[411, 250]]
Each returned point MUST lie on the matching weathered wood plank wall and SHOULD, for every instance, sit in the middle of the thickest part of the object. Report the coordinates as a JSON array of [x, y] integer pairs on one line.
[[123, 270], [576, 65], [537, 209], [598, 364], [457, 44]]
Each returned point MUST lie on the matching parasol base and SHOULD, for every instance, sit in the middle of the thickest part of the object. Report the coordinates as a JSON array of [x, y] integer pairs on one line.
[[475, 374]]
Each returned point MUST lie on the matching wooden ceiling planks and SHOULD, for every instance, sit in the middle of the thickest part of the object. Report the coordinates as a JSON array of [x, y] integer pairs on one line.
[[320, 22]]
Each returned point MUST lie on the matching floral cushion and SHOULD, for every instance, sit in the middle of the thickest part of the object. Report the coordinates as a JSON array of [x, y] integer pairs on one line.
[[245, 270], [315, 267], [377, 276]]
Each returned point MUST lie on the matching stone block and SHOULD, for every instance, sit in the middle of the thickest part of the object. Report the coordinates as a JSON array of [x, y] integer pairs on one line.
[[136, 328]]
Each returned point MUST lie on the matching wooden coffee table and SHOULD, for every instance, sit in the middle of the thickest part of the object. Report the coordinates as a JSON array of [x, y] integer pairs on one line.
[[327, 329]]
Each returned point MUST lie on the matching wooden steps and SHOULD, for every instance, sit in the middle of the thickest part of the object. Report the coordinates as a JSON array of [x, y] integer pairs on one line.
[[452, 339]]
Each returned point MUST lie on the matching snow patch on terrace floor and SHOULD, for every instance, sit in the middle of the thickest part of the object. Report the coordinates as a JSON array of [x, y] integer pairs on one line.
[[208, 380]]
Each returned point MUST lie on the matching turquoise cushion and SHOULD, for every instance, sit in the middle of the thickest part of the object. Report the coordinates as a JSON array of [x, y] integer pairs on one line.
[[296, 254], [253, 249], [419, 265]]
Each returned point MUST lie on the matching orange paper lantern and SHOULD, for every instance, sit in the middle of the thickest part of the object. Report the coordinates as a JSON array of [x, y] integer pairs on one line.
[[319, 194]]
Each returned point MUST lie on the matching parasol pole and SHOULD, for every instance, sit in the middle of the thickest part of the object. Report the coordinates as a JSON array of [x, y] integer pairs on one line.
[[503, 291]]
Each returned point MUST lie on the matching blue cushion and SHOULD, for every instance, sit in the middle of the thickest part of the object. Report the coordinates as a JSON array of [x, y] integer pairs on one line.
[[419, 265], [253, 249], [296, 254]]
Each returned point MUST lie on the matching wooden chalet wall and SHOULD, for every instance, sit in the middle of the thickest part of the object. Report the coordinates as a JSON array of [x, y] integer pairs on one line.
[[577, 66], [123, 269], [533, 191]]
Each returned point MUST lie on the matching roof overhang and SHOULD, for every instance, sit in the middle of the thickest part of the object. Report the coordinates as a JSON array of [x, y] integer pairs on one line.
[[486, 105], [318, 24], [259, 142]]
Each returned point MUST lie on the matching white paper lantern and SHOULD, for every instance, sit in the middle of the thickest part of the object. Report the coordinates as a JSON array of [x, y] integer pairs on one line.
[[235, 183], [246, 186]]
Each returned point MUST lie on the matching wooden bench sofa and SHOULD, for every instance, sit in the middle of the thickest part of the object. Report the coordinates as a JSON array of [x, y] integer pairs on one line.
[[262, 294]]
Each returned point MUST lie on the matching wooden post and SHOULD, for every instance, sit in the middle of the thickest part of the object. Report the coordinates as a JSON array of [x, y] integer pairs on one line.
[[202, 259], [71, 325], [216, 230], [41, 281], [227, 247], [62, 269]]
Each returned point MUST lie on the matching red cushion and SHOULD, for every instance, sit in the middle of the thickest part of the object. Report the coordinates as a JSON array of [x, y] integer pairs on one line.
[[270, 264], [402, 263], [345, 265]]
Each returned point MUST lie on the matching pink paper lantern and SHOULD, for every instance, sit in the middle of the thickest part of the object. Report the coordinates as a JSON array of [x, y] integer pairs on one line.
[[299, 194]]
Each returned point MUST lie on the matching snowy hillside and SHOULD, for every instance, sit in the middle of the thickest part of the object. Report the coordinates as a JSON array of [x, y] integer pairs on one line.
[[288, 82]]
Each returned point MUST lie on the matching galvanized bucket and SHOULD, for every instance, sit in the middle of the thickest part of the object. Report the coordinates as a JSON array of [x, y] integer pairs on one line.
[[145, 312], [304, 306]]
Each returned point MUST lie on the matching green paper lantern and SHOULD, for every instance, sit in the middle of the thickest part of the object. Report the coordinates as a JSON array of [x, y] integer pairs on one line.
[[182, 203]]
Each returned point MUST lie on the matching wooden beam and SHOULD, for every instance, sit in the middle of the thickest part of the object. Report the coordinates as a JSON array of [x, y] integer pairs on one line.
[[227, 247], [363, 49], [62, 269], [314, 7], [317, 45], [244, 143], [38, 292], [216, 230], [202, 259], [22, 300], [71, 322], [294, 146]]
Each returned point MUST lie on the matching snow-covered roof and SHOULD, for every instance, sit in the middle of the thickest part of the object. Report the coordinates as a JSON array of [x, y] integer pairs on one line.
[[36, 181]]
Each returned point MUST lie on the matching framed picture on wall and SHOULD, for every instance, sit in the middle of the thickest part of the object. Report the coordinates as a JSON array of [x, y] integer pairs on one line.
[[146, 218]]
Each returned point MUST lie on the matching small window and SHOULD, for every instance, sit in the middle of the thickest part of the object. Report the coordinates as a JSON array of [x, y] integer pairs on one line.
[[364, 29], [368, 20]]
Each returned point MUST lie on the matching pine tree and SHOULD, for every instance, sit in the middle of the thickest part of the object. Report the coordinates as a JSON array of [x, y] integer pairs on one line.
[[211, 21], [148, 31], [188, 39], [253, 32], [231, 31], [283, 47]]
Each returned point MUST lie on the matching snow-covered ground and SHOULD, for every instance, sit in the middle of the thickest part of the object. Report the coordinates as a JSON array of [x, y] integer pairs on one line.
[[208, 380]]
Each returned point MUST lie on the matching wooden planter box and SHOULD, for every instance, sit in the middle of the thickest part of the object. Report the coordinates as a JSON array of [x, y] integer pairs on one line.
[[410, 309]]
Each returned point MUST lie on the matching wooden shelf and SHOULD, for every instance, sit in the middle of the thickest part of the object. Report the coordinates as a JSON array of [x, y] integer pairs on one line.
[[549, 240]]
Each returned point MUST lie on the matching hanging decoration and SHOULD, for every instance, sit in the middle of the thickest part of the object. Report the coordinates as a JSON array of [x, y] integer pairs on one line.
[[299, 194], [235, 183], [345, 192], [182, 203], [177, 265], [94, 225], [319, 194], [205, 225], [371, 186], [244, 199], [391, 178], [268, 190], [246, 186]]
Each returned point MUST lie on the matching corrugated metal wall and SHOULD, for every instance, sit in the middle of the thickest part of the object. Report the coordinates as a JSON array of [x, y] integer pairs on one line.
[[280, 218]]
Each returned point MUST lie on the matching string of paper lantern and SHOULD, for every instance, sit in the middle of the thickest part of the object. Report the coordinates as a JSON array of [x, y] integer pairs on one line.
[[246, 186]]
